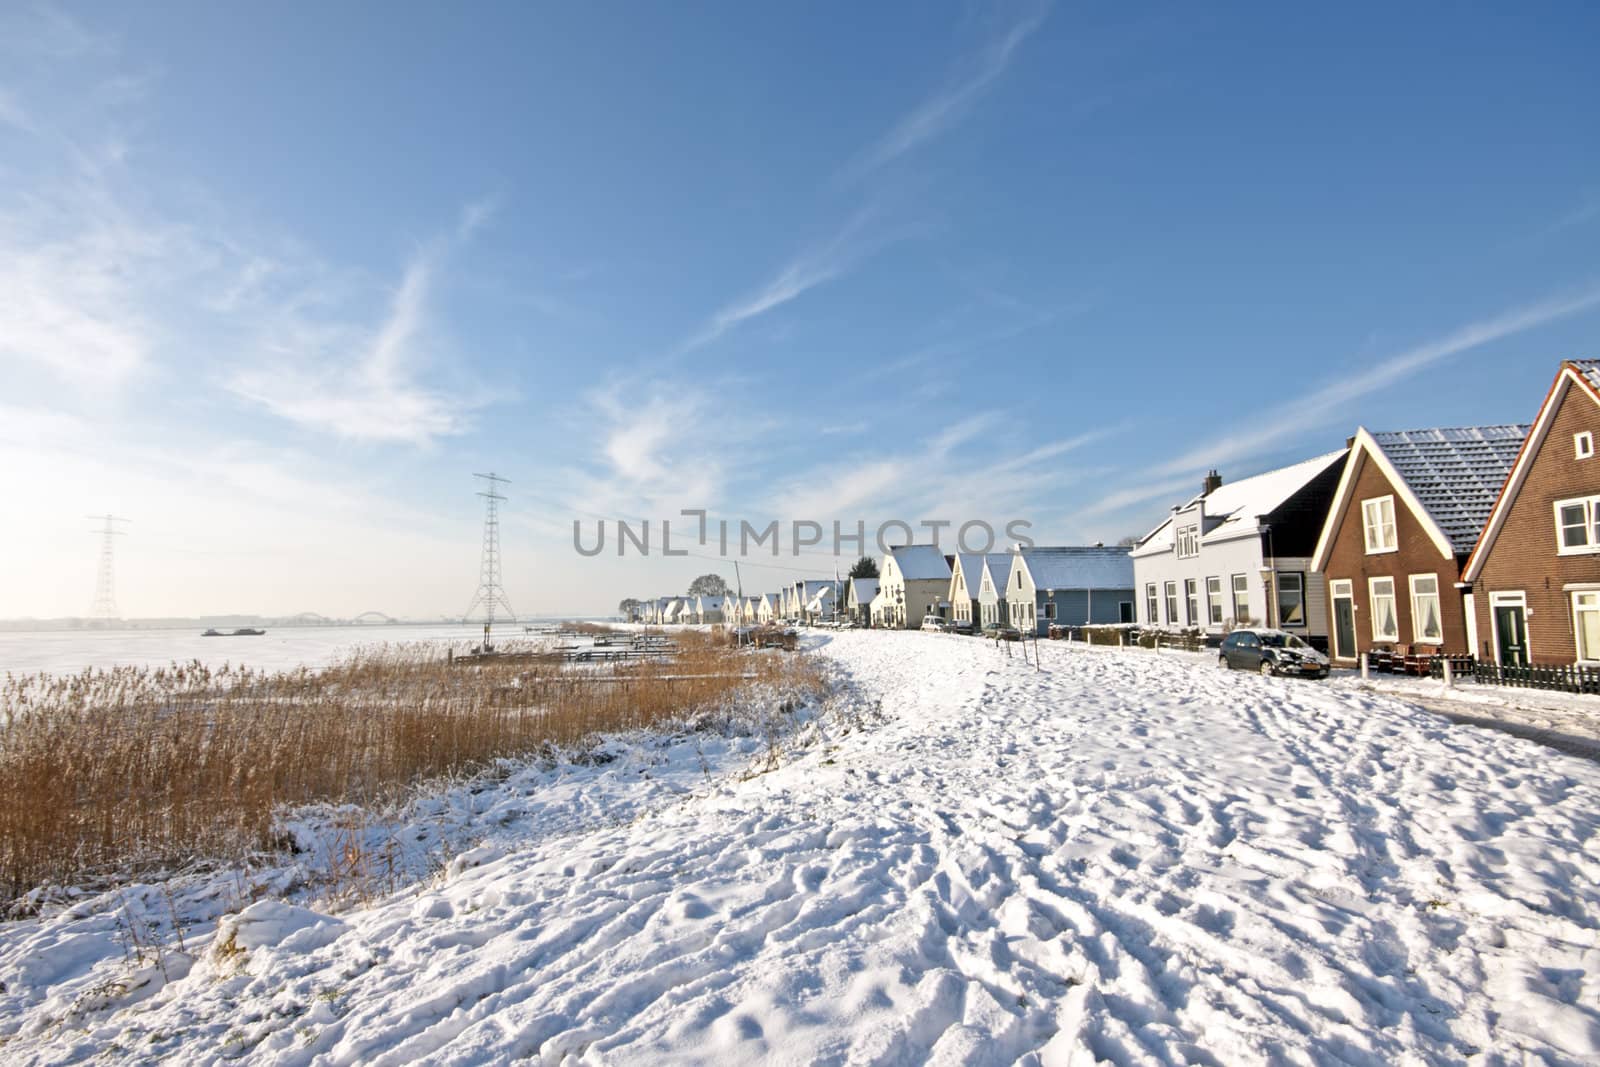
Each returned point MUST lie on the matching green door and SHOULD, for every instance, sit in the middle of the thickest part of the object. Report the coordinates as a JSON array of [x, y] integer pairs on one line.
[[1511, 633], [1344, 627]]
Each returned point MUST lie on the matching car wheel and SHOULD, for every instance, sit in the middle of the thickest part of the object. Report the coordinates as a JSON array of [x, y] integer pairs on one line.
[[1222, 661], [1266, 668]]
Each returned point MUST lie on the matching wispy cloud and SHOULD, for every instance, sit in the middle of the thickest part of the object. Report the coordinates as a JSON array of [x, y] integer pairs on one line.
[[948, 106], [1330, 404], [958, 472], [376, 392], [1586, 212], [813, 267]]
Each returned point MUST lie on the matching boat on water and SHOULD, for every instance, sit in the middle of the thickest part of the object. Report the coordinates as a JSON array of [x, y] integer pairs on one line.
[[243, 631]]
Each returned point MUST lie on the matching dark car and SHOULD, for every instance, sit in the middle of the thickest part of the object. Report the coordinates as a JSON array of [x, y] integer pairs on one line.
[[999, 631], [1271, 652]]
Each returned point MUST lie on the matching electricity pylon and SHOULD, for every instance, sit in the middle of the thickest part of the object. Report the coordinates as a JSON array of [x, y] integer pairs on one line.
[[491, 594], [105, 586]]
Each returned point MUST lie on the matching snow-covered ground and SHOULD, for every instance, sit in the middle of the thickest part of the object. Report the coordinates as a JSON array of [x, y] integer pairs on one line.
[[1122, 856]]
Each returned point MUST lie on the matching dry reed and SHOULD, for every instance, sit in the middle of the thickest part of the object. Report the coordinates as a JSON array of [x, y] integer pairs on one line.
[[108, 771]]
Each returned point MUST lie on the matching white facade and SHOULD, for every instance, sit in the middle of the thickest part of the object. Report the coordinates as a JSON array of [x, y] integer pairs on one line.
[[912, 582]]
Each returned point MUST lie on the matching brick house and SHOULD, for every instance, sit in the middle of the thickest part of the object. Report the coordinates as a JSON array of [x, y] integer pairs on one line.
[[1535, 572], [1404, 518]]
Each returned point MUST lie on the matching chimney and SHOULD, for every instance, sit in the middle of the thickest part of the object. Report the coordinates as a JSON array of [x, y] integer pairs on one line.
[[1349, 442], [1212, 483]]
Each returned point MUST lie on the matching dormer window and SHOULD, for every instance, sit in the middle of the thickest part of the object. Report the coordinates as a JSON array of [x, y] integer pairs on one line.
[[1583, 444], [1188, 542], [1377, 516]]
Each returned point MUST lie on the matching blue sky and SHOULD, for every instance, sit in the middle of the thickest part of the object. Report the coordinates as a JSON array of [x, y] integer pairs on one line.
[[274, 282]]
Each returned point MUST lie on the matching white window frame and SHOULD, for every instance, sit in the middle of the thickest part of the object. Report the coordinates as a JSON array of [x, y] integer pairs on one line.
[[1577, 626], [1214, 609], [1241, 588], [1152, 603], [1372, 604], [1514, 599], [1191, 601], [1368, 528], [1171, 591], [1591, 526], [1582, 444], [1417, 637], [1305, 618], [1188, 543]]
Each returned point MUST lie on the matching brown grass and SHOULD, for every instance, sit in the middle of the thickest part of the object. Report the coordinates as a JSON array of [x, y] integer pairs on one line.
[[111, 770]]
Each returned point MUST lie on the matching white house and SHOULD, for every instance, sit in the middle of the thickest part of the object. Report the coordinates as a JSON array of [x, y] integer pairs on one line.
[[770, 608], [966, 585], [913, 579], [711, 609], [992, 605], [1240, 554], [1071, 586]]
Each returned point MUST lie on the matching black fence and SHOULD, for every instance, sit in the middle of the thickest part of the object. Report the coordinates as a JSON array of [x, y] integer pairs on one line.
[[1566, 679]]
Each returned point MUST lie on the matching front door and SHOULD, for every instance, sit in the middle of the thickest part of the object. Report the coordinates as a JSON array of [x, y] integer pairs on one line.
[[1511, 634], [1344, 622]]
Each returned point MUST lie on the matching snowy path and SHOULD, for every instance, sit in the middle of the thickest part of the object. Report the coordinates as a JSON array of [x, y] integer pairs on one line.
[[1123, 857]]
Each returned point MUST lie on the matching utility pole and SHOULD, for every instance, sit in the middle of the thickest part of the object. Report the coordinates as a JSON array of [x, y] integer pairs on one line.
[[105, 586], [491, 594]]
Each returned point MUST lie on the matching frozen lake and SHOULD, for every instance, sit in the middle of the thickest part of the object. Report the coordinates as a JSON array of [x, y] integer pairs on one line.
[[67, 651]]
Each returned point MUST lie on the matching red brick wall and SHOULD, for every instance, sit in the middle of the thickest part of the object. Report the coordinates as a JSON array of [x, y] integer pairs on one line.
[[1417, 554], [1524, 557]]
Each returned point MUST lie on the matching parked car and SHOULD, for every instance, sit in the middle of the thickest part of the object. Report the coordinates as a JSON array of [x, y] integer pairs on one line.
[[937, 623], [1271, 652], [961, 626], [999, 631]]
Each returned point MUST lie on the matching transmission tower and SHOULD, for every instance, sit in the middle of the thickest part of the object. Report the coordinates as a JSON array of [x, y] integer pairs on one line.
[[491, 594], [105, 586]]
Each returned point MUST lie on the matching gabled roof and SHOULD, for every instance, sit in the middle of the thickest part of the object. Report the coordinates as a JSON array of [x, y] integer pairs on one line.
[[999, 565], [712, 603], [921, 562], [971, 566], [864, 589], [1238, 504], [1094, 567], [1448, 477], [1584, 374]]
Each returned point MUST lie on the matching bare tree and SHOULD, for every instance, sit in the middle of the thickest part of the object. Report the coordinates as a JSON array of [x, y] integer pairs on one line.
[[709, 585]]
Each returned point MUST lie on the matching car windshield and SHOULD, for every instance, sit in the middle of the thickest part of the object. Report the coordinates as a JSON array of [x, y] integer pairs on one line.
[[1283, 641]]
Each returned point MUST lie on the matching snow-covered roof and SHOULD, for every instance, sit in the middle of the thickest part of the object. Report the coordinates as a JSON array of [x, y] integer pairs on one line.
[[920, 562], [819, 602], [999, 564], [713, 603], [865, 589], [1590, 369], [1455, 473], [971, 571], [1093, 567], [1239, 503]]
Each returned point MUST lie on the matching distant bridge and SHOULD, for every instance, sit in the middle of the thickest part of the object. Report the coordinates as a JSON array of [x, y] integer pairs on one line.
[[373, 616]]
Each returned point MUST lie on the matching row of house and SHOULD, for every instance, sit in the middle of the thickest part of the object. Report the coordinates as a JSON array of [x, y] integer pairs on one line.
[[1030, 588], [1475, 540]]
